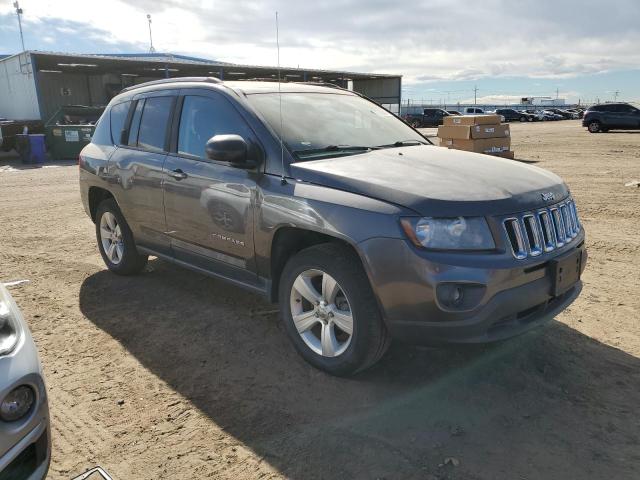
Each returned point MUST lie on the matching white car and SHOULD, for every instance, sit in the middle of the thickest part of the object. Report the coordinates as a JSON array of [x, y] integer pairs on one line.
[[25, 441]]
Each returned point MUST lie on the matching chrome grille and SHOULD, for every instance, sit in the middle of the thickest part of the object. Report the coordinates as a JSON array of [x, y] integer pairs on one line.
[[533, 233]]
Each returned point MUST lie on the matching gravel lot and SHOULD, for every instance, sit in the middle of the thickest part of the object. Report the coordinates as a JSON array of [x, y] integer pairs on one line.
[[173, 375]]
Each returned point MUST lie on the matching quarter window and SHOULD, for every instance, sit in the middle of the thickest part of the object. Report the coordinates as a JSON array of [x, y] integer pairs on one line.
[[118, 115], [203, 118]]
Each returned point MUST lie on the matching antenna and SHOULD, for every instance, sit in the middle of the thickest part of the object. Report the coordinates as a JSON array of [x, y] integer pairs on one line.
[[283, 181]]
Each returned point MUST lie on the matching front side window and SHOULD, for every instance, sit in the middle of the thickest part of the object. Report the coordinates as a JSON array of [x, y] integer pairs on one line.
[[154, 121], [118, 115], [328, 123], [206, 117]]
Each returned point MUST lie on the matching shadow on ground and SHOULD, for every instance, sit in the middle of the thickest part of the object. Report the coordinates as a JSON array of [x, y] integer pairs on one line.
[[550, 404]]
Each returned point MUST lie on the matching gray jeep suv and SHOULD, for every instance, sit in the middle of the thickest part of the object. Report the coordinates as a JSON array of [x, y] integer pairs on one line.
[[330, 205]]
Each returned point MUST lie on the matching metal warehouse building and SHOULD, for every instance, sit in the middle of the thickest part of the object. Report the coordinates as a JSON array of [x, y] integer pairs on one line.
[[34, 84]]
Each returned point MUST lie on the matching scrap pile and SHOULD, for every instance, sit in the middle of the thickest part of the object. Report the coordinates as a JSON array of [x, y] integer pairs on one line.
[[476, 133]]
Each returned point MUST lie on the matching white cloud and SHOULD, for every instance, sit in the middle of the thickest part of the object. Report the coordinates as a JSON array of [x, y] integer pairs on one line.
[[424, 41]]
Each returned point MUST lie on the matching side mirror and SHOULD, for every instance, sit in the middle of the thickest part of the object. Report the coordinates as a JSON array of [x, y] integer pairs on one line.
[[229, 148]]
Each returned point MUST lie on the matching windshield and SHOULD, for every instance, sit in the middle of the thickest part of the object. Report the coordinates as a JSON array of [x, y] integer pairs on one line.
[[328, 125]]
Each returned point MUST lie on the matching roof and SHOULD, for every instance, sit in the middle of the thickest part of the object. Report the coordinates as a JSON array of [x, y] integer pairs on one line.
[[157, 64]]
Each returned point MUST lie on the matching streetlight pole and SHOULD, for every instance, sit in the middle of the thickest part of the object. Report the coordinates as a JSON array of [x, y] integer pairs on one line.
[[19, 13], [151, 49]]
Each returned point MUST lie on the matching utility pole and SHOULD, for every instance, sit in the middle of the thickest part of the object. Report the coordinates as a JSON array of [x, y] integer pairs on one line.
[[19, 13], [557, 93], [475, 95], [615, 95], [151, 49]]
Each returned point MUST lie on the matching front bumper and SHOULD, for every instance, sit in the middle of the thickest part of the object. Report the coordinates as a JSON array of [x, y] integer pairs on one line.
[[25, 445], [516, 295]]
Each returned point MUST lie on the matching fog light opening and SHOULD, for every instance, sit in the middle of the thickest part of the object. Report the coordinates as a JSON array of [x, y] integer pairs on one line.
[[460, 296], [17, 404]]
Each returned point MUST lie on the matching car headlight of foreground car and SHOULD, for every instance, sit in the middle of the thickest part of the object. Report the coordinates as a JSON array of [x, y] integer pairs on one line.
[[10, 325], [459, 233]]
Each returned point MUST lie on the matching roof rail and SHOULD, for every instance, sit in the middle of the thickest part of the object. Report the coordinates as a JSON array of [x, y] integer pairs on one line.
[[324, 84], [173, 80]]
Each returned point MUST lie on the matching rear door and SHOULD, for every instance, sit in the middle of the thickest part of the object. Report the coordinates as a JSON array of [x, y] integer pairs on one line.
[[136, 167], [209, 205]]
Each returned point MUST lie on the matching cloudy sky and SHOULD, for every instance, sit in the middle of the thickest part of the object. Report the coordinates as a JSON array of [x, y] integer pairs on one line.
[[583, 49]]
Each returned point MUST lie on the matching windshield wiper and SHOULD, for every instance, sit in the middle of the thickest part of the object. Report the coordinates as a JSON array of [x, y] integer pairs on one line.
[[403, 143], [336, 148]]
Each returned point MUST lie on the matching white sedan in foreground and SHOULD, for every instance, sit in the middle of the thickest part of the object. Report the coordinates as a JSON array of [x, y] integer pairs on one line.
[[25, 442]]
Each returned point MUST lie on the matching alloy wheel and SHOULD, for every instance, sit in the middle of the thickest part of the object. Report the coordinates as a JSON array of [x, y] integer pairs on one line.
[[111, 238], [321, 313]]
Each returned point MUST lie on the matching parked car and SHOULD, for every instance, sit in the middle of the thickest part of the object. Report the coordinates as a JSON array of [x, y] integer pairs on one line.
[[430, 117], [25, 446], [511, 115], [473, 111], [607, 116], [565, 114], [538, 116], [360, 234], [551, 115]]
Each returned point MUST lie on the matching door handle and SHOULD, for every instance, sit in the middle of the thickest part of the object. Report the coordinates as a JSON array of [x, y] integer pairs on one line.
[[178, 174]]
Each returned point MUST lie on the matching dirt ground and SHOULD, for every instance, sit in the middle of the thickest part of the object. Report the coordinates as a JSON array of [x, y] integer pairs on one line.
[[173, 375]]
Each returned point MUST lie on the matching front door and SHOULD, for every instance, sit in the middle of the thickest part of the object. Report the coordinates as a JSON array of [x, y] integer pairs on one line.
[[209, 206]]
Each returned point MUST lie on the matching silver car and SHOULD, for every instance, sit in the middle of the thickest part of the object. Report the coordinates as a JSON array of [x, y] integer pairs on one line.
[[25, 445]]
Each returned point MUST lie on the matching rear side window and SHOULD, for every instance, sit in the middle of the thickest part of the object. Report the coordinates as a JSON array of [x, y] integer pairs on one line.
[[118, 115], [205, 117], [153, 124]]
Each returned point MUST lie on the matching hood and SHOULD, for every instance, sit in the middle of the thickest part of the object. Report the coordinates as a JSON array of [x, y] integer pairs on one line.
[[436, 181]]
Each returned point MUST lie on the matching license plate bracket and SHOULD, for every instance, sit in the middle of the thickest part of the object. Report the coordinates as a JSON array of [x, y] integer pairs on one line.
[[565, 272]]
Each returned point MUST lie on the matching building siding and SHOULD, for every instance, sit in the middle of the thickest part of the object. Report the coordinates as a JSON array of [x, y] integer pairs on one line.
[[18, 95]]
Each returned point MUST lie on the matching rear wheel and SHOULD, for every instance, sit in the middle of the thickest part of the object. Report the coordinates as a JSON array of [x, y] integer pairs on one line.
[[115, 240], [415, 124], [523, 118], [329, 310], [594, 126]]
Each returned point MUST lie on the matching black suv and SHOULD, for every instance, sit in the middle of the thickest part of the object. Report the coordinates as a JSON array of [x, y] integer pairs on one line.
[[511, 115], [431, 117], [608, 116], [327, 203]]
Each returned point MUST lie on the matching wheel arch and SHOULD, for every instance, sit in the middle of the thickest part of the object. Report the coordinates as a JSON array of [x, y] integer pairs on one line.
[[289, 240], [96, 196]]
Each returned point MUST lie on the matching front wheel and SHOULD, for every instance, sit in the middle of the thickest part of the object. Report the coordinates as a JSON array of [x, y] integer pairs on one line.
[[329, 310], [523, 118], [115, 240]]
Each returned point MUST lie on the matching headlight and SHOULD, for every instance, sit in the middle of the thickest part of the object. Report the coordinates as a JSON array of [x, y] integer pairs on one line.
[[460, 233], [10, 328]]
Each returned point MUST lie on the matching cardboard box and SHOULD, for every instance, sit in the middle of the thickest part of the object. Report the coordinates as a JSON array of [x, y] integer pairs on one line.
[[479, 145], [473, 131], [472, 120]]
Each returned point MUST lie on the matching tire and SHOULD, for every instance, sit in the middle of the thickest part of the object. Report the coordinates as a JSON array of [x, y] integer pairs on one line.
[[523, 118], [119, 251], [415, 124], [350, 296], [594, 126]]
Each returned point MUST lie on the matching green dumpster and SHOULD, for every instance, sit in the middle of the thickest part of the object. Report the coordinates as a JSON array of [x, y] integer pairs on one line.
[[70, 129]]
